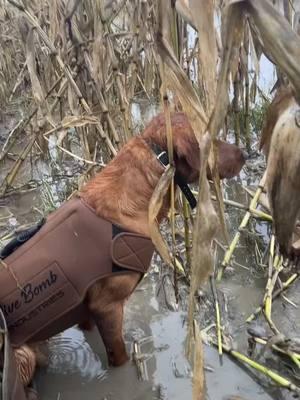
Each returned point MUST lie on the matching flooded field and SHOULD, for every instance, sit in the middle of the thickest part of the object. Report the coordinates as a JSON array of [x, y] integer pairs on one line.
[[77, 367]]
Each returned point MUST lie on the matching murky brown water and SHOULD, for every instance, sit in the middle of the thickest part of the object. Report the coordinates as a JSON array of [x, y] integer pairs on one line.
[[77, 366]]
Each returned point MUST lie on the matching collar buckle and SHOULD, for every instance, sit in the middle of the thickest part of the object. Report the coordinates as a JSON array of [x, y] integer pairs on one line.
[[163, 158]]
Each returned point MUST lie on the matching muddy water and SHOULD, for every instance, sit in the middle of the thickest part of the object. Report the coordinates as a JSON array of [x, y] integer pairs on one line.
[[75, 371], [77, 367]]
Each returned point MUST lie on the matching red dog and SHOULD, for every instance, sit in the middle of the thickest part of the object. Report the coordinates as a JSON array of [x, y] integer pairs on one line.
[[121, 193]]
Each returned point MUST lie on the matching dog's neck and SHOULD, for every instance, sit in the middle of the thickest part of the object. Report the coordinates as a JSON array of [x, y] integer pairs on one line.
[[121, 192]]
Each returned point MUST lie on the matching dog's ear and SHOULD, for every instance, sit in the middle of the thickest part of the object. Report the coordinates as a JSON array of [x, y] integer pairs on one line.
[[184, 141], [188, 148], [187, 154]]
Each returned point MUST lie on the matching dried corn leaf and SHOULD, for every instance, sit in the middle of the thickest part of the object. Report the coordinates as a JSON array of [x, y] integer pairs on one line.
[[37, 90], [72, 121], [278, 38], [204, 20], [206, 224], [155, 205], [72, 100], [53, 20], [183, 9], [198, 376], [232, 34], [205, 229], [207, 58], [206, 220], [203, 12], [255, 55], [296, 22], [177, 77], [177, 80]]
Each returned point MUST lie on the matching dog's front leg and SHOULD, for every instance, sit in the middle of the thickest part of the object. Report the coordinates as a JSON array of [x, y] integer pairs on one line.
[[109, 323], [105, 301]]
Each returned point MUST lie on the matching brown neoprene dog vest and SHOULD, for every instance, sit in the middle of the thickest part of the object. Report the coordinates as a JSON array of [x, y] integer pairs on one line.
[[43, 282]]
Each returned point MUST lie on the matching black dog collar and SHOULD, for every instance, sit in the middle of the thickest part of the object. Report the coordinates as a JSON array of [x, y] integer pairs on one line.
[[163, 158]]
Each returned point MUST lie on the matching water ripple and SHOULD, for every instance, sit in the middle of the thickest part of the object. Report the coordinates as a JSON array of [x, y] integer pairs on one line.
[[69, 353]]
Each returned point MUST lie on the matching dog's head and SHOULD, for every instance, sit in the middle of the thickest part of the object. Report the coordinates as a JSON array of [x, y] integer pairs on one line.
[[186, 148]]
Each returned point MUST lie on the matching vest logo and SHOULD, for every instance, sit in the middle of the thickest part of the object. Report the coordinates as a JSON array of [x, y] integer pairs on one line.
[[29, 293], [45, 297], [36, 311]]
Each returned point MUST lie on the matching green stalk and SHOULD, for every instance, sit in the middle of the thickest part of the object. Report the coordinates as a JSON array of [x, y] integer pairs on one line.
[[278, 379], [218, 316], [244, 223], [277, 293]]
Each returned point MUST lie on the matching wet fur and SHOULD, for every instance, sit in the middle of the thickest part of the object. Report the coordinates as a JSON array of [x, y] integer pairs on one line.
[[281, 144], [283, 98], [121, 193]]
